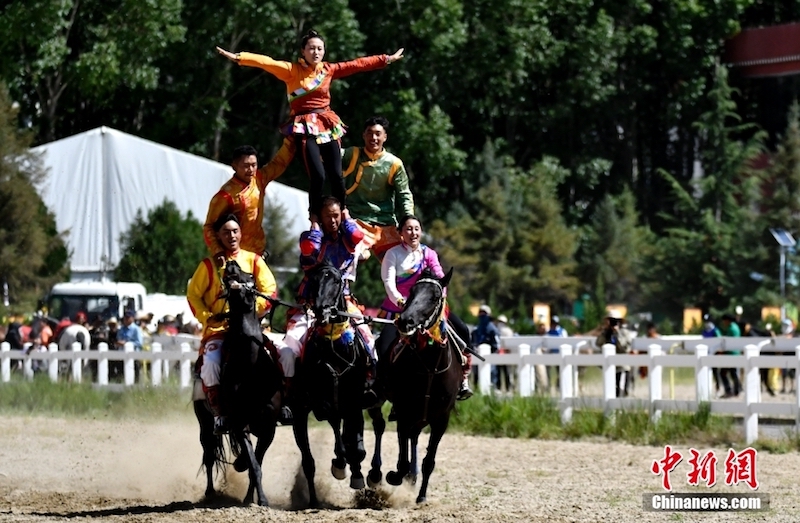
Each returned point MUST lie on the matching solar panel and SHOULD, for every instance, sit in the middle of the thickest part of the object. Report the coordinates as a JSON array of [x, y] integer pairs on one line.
[[783, 237]]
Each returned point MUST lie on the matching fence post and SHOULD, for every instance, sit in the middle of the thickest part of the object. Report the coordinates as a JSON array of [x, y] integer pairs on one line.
[[5, 362], [102, 364], [52, 365], [701, 375], [609, 378], [156, 366], [565, 383], [484, 370], [797, 394], [27, 363], [129, 367], [654, 375], [752, 390], [524, 371], [576, 387], [186, 365], [77, 363]]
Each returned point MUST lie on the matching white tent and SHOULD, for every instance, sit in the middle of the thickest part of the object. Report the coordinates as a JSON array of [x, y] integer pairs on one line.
[[99, 179]]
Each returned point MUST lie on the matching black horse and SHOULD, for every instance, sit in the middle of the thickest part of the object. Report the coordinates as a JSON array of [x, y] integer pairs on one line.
[[424, 375], [251, 385], [330, 380]]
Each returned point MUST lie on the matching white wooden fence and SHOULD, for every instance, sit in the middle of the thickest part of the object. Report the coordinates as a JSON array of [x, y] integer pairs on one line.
[[655, 354], [525, 353], [160, 362]]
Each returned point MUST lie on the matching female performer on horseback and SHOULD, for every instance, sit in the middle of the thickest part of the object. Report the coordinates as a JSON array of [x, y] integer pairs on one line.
[[401, 268], [317, 130]]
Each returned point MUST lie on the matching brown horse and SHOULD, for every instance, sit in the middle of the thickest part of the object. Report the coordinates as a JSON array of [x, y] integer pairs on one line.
[[424, 374]]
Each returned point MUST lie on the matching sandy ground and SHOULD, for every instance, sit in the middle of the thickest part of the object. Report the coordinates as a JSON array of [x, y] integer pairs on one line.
[[99, 470]]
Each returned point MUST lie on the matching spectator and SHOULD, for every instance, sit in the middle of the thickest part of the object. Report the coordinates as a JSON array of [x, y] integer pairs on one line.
[[787, 375], [505, 332], [729, 328], [14, 335], [556, 330], [614, 334], [711, 331], [129, 332], [487, 333]]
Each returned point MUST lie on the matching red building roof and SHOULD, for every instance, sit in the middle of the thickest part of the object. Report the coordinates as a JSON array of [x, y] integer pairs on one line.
[[766, 51]]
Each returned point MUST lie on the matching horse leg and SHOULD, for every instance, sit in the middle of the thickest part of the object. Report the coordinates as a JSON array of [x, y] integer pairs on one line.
[[338, 463], [438, 427], [255, 473], [413, 469], [300, 428], [395, 477], [379, 426], [353, 437], [212, 445]]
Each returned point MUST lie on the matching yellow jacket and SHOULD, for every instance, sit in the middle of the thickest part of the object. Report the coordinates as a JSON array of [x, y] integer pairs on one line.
[[246, 201], [205, 289]]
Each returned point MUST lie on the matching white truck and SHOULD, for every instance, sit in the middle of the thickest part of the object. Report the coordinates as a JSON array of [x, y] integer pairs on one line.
[[105, 299]]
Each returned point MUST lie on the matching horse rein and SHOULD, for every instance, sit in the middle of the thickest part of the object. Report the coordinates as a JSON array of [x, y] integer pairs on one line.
[[435, 315]]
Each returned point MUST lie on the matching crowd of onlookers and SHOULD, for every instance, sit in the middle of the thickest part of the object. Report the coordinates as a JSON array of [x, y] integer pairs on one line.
[[618, 332]]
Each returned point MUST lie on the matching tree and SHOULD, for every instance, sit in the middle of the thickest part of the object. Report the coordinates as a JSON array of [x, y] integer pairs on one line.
[[714, 243], [33, 255], [515, 245], [83, 49], [613, 248], [162, 251]]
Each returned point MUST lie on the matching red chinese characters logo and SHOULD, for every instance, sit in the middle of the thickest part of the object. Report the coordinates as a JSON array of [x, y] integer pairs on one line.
[[664, 466], [704, 468], [739, 467]]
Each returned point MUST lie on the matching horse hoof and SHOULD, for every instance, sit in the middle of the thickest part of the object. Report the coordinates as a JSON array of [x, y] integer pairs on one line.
[[374, 478], [393, 478], [422, 499], [411, 478], [357, 482], [338, 473], [240, 463], [263, 503]]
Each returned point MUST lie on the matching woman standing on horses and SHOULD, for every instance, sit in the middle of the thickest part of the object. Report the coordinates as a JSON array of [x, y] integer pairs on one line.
[[401, 268], [317, 130]]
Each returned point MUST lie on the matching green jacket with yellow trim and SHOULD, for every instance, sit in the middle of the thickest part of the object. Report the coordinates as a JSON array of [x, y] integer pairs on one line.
[[377, 186]]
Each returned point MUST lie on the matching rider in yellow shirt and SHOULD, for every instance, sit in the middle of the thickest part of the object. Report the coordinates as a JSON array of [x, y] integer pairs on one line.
[[205, 295]]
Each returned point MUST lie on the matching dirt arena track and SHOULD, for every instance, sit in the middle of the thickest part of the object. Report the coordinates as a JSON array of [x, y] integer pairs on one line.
[[96, 470]]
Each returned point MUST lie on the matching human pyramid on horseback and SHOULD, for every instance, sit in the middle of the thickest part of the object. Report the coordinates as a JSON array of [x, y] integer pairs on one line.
[[370, 190]]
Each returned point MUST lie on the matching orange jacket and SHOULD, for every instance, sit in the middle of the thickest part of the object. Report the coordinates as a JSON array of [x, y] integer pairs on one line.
[[246, 201]]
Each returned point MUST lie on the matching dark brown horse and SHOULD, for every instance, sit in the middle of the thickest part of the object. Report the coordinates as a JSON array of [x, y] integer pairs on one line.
[[250, 390], [424, 374]]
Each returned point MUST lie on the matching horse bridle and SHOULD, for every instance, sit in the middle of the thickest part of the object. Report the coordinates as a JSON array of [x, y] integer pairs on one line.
[[431, 320]]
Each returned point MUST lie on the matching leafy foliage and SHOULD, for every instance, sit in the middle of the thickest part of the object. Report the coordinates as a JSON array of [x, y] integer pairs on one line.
[[161, 251], [32, 253]]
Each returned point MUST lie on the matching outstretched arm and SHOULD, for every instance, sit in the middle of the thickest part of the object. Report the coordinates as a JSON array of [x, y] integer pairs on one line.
[[366, 63], [277, 68]]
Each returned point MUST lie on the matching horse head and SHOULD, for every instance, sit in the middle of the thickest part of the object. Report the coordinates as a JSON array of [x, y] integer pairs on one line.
[[425, 303], [325, 291], [241, 295]]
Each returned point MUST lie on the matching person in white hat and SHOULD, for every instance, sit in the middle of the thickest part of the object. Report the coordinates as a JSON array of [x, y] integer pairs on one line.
[[614, 334]]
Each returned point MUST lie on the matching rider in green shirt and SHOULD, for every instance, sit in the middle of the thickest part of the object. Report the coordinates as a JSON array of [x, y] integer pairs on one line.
[[377, 188]]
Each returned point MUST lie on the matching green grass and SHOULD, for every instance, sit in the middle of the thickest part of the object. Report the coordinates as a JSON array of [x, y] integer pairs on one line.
[[538, 417], [513, 417], [42, 397]]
